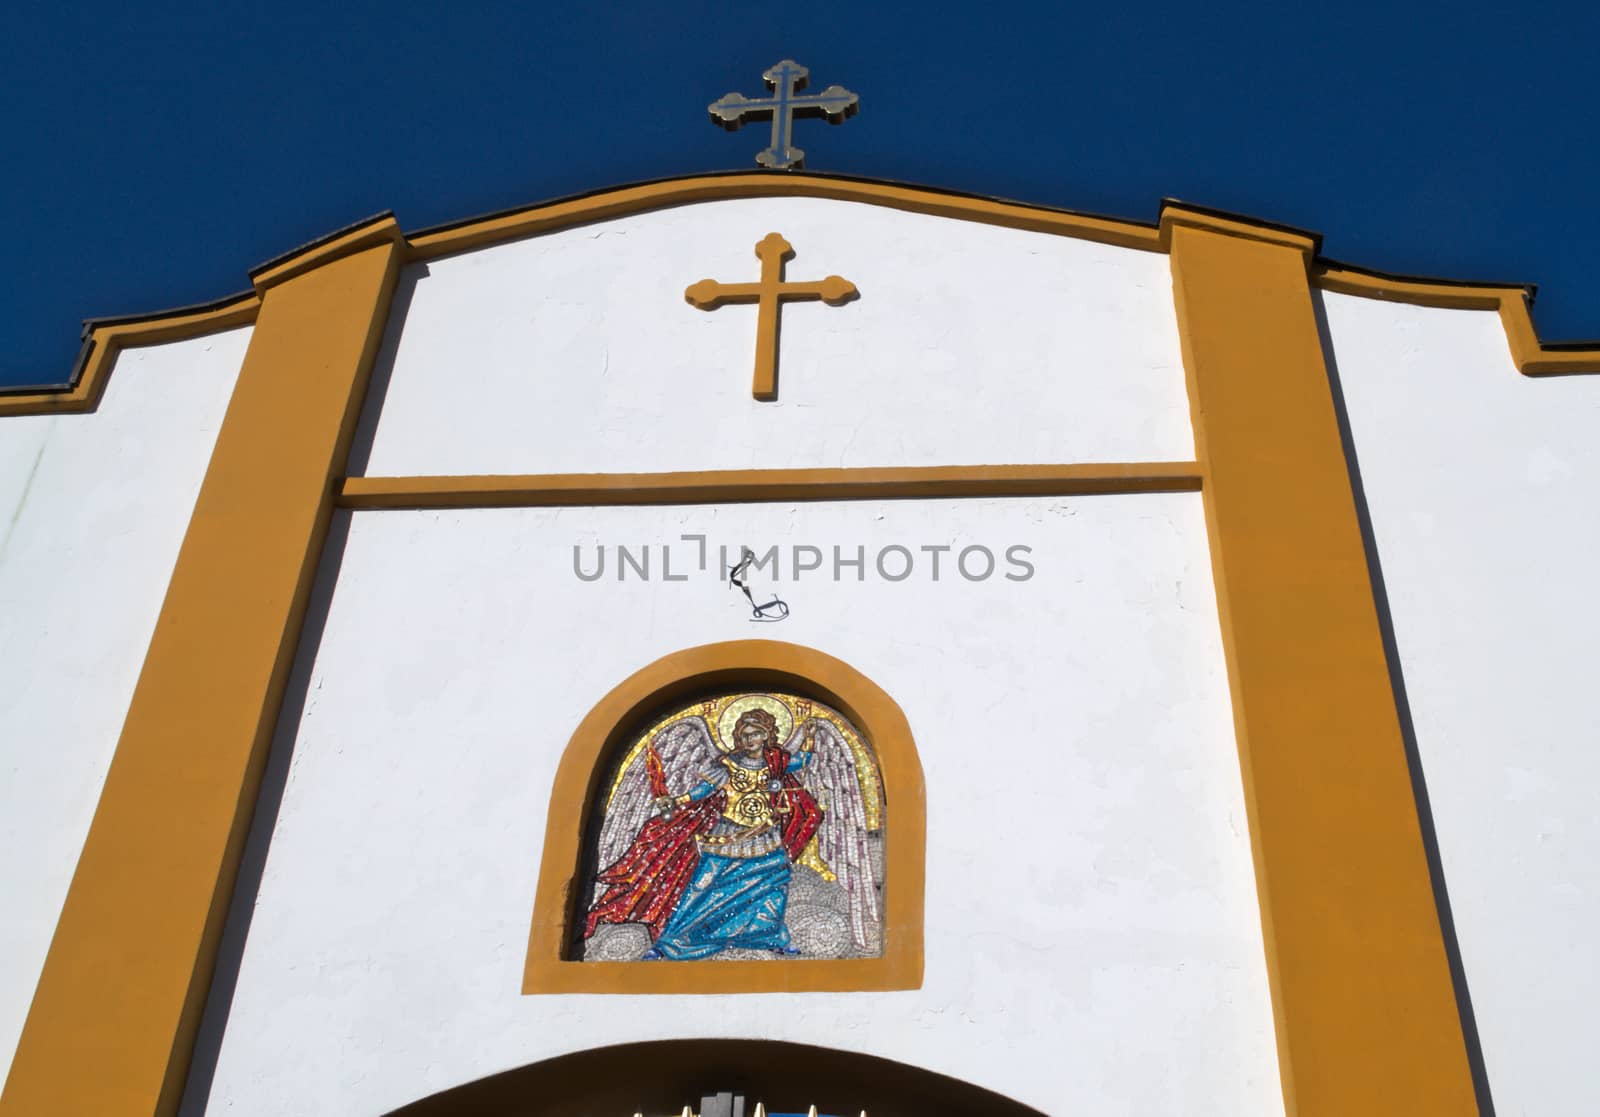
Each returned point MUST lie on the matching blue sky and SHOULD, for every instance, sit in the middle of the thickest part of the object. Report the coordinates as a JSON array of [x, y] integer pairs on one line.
[[155, 153]]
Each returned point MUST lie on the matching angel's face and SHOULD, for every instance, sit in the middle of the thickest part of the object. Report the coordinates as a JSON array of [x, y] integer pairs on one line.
[[752, 739]]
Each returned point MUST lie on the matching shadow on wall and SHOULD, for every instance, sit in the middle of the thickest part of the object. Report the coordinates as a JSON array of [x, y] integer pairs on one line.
[[1408, 728], [661, 1078]]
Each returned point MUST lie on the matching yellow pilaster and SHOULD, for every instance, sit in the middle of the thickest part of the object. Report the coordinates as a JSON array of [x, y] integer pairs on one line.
[[114, 1017], [1362, 996]]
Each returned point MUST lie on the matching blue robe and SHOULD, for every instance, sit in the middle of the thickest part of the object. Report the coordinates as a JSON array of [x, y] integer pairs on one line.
[[731, 902]]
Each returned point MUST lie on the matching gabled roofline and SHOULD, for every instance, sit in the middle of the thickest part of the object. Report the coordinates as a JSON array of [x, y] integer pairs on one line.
[[1514, 302], [604, 205], [105, 337]]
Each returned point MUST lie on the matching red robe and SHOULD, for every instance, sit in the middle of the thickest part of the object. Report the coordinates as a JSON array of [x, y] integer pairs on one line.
[[646, 882]]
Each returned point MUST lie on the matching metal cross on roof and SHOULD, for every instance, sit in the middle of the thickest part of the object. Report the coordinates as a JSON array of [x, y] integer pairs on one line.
[[785, 80]]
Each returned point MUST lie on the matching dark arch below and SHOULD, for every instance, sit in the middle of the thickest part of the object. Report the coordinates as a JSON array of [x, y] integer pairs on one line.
[[660, 1078]]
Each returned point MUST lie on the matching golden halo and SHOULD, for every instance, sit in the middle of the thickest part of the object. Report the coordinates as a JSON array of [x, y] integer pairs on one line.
[[730, 718]]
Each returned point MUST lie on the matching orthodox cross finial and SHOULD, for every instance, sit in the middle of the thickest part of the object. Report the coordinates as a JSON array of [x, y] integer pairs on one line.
[[767, 293], [785, 80]]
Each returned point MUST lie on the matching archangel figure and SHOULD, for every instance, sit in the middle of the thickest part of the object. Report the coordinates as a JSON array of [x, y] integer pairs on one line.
[[712, 812]]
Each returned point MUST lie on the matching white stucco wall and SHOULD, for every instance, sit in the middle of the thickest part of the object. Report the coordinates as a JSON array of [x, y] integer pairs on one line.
[[970, 344], [1093, 940], [93, 509], [1484, 491]]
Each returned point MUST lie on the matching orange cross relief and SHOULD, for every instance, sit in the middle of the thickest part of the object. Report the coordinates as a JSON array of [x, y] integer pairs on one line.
[[767, 293]]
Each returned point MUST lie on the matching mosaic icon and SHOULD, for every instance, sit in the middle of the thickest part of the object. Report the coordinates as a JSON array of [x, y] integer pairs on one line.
[[746, 826]]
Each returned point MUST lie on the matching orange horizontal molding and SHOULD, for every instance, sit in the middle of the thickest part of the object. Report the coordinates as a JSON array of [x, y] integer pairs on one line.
[[752, 485], [1532, 357]]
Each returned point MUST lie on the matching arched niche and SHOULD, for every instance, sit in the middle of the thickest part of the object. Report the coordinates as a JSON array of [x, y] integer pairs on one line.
[[591, 754], [659, 1078]]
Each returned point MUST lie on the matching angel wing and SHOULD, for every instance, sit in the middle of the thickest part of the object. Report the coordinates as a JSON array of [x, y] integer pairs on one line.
[[686, 752], [842, 835]]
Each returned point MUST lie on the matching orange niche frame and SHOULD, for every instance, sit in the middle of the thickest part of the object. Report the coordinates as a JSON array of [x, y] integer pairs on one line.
[[753, 663]]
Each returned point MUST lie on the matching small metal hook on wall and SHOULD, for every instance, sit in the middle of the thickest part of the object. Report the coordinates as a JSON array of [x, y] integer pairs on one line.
[[775, 610]]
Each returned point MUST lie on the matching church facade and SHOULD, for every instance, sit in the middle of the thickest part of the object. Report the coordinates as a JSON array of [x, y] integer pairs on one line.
[[793, 639]]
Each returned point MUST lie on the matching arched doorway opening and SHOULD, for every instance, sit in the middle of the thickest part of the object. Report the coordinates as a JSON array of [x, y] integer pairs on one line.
[[658, 1079]]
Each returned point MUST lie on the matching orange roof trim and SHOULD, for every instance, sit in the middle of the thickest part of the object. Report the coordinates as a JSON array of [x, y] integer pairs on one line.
[[104, 340]]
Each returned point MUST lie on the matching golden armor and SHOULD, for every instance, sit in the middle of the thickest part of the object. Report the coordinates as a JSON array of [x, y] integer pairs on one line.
[[749, 802]]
